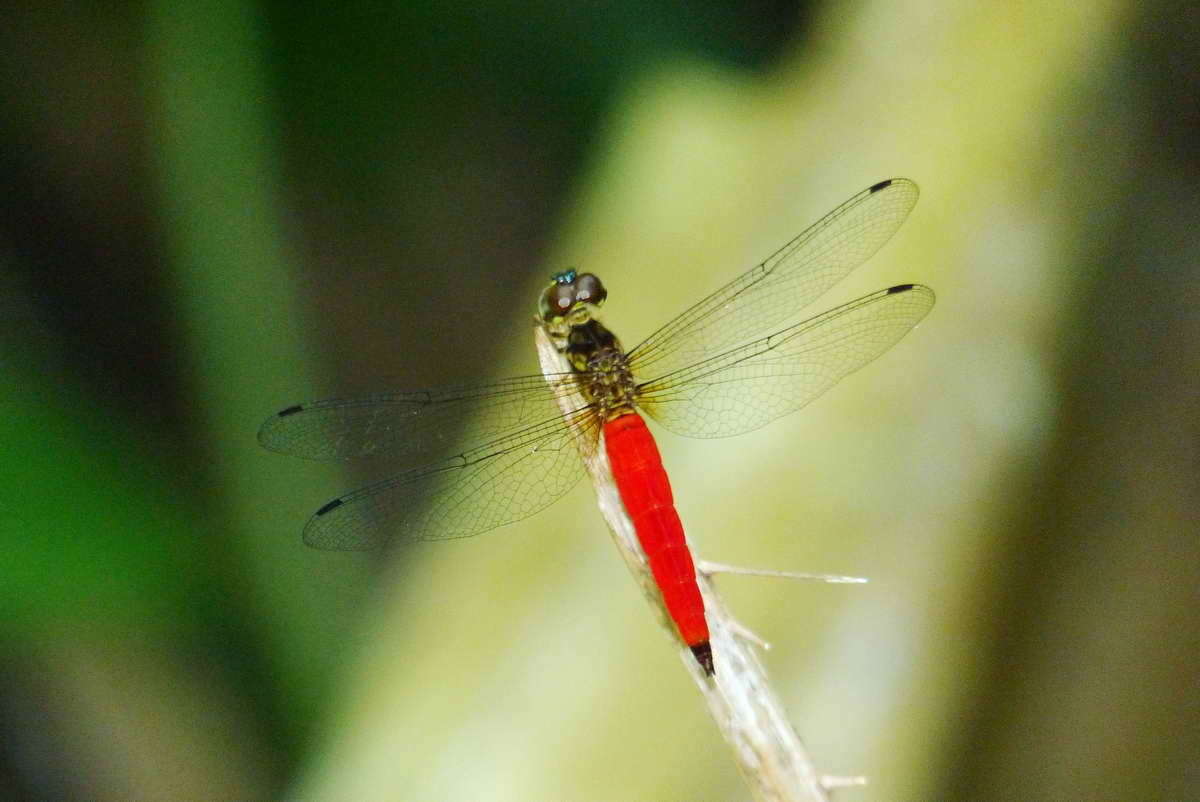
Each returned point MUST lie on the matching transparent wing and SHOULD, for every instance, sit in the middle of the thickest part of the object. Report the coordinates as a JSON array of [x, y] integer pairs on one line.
[[506, 451], [414, 427], [751, 385], [495, 484], [785, 283]]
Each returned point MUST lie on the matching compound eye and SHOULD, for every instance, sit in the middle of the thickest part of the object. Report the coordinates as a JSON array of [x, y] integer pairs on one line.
[[560, 298], [589, 289]]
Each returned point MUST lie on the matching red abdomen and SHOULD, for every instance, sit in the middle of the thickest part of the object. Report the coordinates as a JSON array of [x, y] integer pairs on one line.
[[646, 493]]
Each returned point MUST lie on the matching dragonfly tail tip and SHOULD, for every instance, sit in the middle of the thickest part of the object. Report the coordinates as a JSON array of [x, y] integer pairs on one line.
[[703, 654]]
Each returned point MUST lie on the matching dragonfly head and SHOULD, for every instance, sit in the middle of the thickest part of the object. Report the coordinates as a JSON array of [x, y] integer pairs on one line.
[[571, 298]]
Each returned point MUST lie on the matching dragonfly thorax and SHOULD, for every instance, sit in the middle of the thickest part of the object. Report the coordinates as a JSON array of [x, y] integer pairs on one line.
[[604, 375]]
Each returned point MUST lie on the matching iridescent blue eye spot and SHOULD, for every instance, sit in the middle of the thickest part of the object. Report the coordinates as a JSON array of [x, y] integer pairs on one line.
[[565, 277]]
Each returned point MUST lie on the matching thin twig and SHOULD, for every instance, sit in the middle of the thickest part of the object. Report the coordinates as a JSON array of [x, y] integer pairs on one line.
[[745, 633], [742, 703], [707, 567]]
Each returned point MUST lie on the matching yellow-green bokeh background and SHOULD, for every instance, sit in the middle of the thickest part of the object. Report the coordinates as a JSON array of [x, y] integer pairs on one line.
[[216, 210]]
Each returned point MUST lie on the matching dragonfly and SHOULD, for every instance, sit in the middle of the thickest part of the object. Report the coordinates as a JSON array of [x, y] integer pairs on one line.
[[475, 457]]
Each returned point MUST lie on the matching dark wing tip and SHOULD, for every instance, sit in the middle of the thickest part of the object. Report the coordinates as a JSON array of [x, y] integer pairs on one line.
[[905, 185], [337, 534], [333, 505], [915, 289], [266, 432]]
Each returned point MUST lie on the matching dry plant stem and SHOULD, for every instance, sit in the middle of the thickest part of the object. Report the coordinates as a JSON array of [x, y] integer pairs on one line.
[[742, 703], [720, 568]]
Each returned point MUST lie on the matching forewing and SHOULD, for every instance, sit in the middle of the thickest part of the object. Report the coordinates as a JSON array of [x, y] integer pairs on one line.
[[489, 486], [415, 427], [751, 385], [780, 287]]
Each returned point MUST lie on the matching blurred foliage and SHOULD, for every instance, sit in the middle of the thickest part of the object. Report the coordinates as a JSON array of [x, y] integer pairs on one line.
[[213, 212]]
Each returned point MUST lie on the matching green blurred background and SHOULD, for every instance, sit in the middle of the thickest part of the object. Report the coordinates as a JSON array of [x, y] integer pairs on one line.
[[214, 210]]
